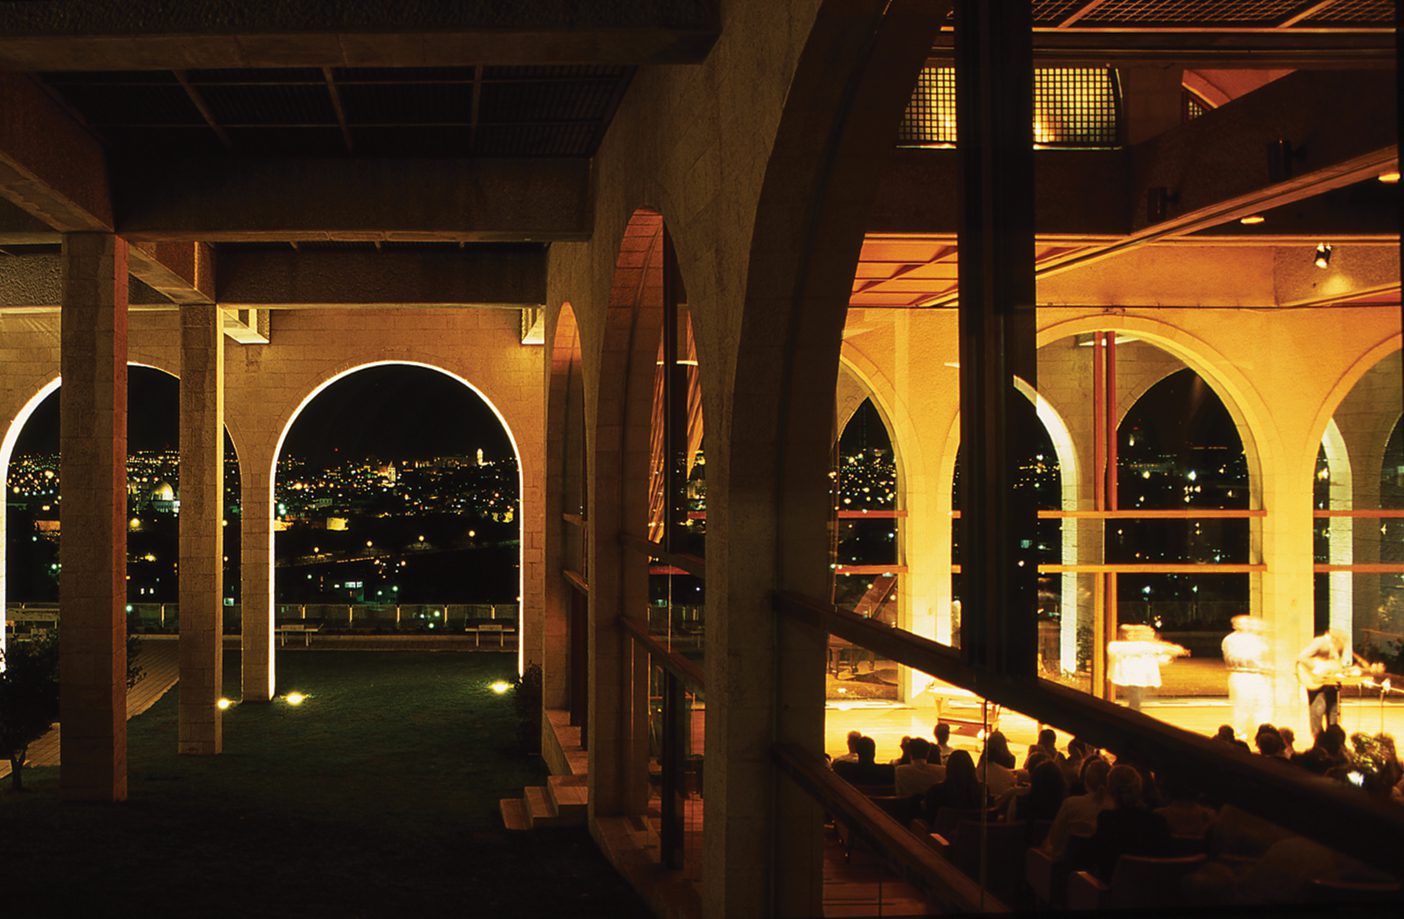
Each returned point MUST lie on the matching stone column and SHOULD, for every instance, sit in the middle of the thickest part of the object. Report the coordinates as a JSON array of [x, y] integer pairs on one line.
[[256, 590], [201, 528], [93, 545]]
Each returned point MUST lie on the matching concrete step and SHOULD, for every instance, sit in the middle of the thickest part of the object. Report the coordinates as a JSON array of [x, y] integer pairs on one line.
[[540, 809], [571, 797], [514, 813]]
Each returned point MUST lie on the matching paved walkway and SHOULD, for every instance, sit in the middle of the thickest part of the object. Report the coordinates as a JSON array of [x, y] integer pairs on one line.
[[160, 659]]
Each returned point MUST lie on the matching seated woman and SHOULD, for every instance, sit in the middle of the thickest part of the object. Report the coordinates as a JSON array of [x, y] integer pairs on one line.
[[1129, 828], [996, 766], [1046, 792], [960, 791]]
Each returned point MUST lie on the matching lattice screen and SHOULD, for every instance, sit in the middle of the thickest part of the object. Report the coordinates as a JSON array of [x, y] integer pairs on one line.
[[1073, 107]]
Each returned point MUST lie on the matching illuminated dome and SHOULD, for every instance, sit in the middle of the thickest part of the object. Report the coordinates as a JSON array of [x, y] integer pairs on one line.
[[162, 491]]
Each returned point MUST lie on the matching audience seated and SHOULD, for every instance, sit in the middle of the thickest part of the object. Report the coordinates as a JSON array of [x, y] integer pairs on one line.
[[996, 766], [1129, 828], [1080, 752], [866, 771], [1078, 813], [1270, 745], [961, 789], [852, 755], [1045, 794], [1289, 739], [906, 756], [1226, 734], [917, 776], [1047, 745], [1182, 810], [943, 749], [1327, 753]]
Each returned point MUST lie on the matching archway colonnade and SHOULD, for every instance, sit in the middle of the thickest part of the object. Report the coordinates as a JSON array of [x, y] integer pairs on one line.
[[263, 388]]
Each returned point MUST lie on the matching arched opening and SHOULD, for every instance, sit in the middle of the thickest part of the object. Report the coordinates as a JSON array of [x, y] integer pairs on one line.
[[396, 493], [1358, 505], [568, 660], [29, 458]]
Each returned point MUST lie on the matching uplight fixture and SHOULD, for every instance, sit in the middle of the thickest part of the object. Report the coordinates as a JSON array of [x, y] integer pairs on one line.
[[499, 686], [1323, 255], [1252, 220], [295, 698]]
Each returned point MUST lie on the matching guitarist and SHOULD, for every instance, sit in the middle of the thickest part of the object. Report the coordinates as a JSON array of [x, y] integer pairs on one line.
[[1319, 668]]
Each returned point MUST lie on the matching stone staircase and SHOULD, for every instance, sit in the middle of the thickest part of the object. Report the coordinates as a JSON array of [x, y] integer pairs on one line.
[[562, 801], [565, 797]]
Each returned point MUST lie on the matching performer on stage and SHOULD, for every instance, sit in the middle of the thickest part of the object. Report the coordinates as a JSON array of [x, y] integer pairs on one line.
[[1246, 657], [1133, 664], [1319, 667]]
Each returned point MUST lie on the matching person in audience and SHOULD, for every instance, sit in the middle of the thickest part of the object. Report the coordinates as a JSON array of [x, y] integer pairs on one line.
[[1035, 759], [852, 755], [1044, 799], [906, 755], [917, 776], [1129, 827], [1078, 813], [1047, 745], [867, 771], [961, 789], [1289, 738], [943, 743], [996, 766], [1270, 745], [1182, 810], [1079, 752], [1326, 753], [1225, 734]]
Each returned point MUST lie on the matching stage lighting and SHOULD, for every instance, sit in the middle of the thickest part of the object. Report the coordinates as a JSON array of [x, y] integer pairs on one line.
[[1323, 255]]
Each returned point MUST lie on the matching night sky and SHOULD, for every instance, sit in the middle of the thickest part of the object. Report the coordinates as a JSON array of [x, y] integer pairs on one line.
[[391, 412]]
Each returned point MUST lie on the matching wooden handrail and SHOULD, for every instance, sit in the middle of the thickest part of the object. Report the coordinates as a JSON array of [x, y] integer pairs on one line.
[[952, 889], [694, 565], [576, 580], [1340, 817], [668, 658], [575, 520]]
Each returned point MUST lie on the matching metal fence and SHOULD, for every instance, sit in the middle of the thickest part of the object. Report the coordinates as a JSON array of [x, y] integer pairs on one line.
[[365, 618]]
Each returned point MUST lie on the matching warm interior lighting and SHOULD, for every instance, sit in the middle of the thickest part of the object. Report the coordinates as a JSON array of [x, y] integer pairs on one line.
[[1252, 220], [1389, 178], [1323, 255], [499, 686], [223, 704], [295, 698]]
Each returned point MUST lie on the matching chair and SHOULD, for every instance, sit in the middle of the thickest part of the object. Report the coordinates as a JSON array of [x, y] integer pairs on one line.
[[1048, 878], [946, 820], [1139, 882], [1037, 832], [1002, 843], [898, 808]]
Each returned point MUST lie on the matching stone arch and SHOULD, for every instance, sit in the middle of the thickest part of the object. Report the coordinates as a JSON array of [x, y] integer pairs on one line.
[[352, 367], [1341, 530], [852, 82], [564, 399], [1343, 386]]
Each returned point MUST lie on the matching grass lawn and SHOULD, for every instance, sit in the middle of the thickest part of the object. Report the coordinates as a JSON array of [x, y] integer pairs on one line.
[[376, 797]]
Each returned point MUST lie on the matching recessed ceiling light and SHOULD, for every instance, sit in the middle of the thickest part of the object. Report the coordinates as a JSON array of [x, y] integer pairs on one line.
[[1389, 178], [1252, 220]]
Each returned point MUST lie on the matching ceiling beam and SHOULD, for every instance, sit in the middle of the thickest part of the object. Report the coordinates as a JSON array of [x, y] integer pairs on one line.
[[45, 35], [180, 271], [1076, 192], [278, 278], [34, 284], [50, 166], [1354, 272], [281, 200], [1199, 47], [20, 228]]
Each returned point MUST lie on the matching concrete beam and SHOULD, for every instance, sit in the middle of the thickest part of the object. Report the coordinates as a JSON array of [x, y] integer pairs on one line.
[[156, 35], [19, 228], [277, 200], [1076, 193], [1354, 272], [1240, 48], [50, 166], [32, 284], [282, 279], [180, 271]]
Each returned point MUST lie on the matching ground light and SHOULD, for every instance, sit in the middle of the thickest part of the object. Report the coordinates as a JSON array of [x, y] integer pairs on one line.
[[294, 698], [499, 686]]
